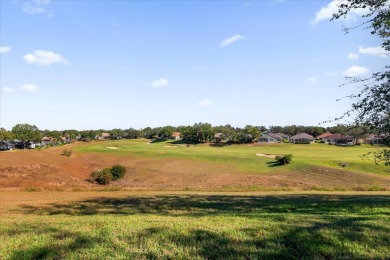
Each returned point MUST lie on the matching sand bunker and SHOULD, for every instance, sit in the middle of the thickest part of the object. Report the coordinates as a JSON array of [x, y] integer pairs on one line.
[[113, 148], [171, 146], [267, 155]]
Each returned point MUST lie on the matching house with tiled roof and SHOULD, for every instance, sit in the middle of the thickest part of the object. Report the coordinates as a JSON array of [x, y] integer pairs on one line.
[[46, 140], [270, 138], [302, 138], [339, 139], [375, 139], [103, 136], [324, 135], [176, 136]]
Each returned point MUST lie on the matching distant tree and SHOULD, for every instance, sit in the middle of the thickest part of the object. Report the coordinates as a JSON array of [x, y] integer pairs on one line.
[[56, 135], [262, 128], [205, 132], [26, 132], [132, 133], [227, 131], [151, 133], [276, 129], [90, 134], [117, 133], [253, 131], [338, 129], [166, 132], [189, 134], [72, 134], [6, 135]]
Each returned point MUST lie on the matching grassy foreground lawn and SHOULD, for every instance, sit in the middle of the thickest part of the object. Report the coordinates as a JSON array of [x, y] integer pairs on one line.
[[97, 225]]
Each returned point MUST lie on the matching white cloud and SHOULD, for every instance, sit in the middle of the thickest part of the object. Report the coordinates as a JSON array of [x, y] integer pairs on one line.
[[206, 103], [160, 83], [330, 74], [4, 49], [41, 2], [230, 40], [44, 58], [29, 88], [36, 7], [376, 51], [353, 56], [29, 9], [312, 79], [8, 90], [355, 71], [326, 12]]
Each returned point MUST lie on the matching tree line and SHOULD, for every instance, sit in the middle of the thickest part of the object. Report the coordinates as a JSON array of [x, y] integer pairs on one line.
[[197, 133]]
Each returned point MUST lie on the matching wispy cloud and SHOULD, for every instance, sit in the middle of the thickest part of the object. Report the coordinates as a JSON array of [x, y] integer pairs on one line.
[[4, 49], [355, 71], [8, 90], [230, 40], [41, 2], [160, 83], [44, 58], [36, 7], [353, 56], [326, 12], [375, 51], [206, 103], [312, 79], [330, 74], [29, 88]]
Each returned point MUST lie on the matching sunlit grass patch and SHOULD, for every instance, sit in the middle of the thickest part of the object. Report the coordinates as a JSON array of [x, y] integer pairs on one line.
[[196, 226]]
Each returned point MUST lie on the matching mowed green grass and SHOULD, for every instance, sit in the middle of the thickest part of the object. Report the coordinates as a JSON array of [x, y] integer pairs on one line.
[[243, 157], [107, 225]]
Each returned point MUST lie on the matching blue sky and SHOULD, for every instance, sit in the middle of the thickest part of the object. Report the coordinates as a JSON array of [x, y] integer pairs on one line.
[[120, 64]]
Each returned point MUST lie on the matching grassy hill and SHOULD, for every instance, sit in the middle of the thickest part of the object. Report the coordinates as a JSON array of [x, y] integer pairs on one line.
[[243, 156], [176, 202], [202, 167]]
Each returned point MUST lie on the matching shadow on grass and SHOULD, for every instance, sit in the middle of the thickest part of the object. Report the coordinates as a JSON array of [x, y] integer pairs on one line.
[[273, 164], [288, 226], [70, 241], [200, 205]]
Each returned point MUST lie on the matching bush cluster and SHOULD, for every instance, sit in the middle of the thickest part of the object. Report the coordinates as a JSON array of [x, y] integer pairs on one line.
[[109, 174], [282, 160], [67, 152]]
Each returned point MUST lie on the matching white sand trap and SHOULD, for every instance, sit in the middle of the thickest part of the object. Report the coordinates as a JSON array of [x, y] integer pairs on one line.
[[171, 146], [267, 155], [113, 148]]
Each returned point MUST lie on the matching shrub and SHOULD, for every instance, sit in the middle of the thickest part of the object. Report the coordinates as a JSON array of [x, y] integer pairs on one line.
[[282, 160], [67, 152], [102, 177], [117, 171], [107, 174]]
